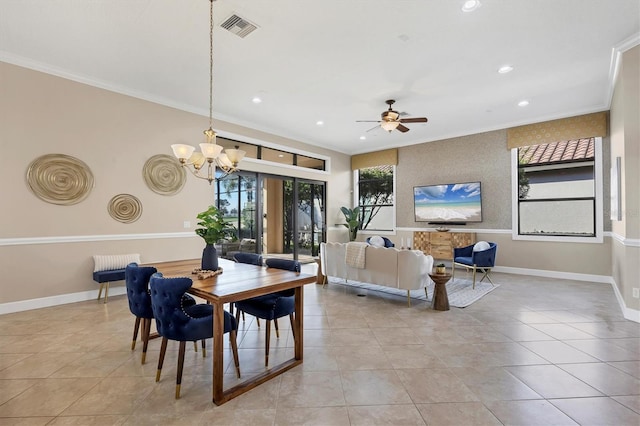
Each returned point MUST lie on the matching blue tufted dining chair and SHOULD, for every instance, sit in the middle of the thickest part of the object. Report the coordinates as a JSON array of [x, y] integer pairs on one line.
[[137, 284], [481, 255], [175, 321], [251, 259], [272, 306]]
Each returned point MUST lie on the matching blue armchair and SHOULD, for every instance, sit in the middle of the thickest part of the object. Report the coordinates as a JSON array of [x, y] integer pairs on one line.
[[476, 256], [272, 306], [137, 284], [175, 321]]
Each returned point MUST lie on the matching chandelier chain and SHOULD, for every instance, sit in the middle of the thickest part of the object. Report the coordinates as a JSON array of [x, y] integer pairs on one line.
[[211, 64]]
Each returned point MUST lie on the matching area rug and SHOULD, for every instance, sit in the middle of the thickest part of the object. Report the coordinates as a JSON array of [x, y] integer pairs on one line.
[[460, 291]]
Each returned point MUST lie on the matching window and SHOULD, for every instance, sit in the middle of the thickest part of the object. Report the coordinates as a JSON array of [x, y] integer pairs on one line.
[[559, 189], [375, 196], [260, 152]]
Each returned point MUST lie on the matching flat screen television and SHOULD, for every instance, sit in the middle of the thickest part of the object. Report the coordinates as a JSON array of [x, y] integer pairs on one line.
[[448, 204]]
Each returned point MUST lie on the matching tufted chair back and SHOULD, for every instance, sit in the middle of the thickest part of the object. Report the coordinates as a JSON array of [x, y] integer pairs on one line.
[[250, 258], [289, 265], [286, 264], [137, 282], [176, 321]]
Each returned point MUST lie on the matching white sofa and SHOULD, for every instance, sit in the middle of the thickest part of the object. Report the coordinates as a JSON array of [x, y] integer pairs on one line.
[[391, 267]]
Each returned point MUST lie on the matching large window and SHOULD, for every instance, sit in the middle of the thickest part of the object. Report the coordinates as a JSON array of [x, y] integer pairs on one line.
[[558, 191], [375, 195]]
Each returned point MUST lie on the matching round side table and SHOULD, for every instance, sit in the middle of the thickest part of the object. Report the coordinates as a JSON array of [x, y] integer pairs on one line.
[[440, 297]]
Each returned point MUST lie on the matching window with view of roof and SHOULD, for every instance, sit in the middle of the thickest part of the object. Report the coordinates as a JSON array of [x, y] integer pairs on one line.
[[557, 188]]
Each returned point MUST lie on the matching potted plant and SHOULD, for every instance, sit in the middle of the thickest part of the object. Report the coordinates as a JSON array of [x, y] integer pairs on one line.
[[213, 228], [441, 269], [352, 216]]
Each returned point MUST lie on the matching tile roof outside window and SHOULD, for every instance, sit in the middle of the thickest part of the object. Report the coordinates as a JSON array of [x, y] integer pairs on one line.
[[557, 152]]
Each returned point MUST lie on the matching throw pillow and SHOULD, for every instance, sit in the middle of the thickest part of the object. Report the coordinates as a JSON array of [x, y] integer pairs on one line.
[[481, 246], [377, 241], [109, 262]]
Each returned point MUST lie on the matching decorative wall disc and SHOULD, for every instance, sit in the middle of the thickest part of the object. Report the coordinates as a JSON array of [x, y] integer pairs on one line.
[[164, 175], [59, 179], [125, 208]]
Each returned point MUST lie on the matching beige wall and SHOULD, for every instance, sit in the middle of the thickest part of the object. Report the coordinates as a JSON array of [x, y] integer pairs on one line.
[[625, 137], [484, 157], [114, 135]]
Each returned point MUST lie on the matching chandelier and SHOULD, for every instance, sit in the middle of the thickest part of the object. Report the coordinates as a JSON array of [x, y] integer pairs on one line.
[[210, 152]]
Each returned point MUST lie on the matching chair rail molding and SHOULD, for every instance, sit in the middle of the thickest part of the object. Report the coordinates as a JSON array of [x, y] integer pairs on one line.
[[90, 238]]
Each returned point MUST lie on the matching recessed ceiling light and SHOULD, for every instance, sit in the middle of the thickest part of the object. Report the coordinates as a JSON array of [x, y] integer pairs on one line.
[[470, 5], [505, 69], [280, 155], [256, 100], [319, 123], [363, 138], [523, 103]]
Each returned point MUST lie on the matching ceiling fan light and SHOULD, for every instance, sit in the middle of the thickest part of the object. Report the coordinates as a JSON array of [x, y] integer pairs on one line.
[[389, 125]]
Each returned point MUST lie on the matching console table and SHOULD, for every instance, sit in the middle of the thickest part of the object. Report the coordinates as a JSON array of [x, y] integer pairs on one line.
[[440, 245]]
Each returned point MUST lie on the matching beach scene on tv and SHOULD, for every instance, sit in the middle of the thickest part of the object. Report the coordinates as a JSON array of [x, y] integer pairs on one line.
[[459, 202]]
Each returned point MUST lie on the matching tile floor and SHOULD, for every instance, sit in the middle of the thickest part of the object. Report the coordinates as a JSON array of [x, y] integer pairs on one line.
[[535, 351]]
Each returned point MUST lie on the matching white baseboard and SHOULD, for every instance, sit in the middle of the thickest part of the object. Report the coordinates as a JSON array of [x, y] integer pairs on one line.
[[628, 313], [605, 279], [62, 299]]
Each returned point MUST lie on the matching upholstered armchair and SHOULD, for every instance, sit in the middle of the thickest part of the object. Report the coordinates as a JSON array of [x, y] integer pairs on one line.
[[175, 321], [481, 255], [137, 284], [272, 306]]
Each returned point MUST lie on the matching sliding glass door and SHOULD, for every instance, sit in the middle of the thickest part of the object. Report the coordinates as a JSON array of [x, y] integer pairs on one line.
[[283, 216]]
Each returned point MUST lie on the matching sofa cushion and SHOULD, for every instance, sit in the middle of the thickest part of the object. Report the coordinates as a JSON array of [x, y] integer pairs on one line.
[[110, 262], [377, 241]]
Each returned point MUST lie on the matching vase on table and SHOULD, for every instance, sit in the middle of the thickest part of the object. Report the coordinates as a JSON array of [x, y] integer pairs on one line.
[[210, 258]]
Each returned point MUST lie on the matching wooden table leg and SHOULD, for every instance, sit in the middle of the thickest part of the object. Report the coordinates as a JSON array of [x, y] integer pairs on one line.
[[298, 321], [218, 348]]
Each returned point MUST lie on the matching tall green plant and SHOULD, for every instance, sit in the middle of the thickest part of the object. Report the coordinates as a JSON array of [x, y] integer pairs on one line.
[[213, 226], [352, 216]]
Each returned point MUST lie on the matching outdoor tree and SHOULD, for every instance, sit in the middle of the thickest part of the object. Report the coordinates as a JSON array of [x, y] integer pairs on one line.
[[375, 190]]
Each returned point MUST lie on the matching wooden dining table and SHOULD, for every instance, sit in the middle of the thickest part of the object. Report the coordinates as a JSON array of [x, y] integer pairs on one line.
[[239, 281]]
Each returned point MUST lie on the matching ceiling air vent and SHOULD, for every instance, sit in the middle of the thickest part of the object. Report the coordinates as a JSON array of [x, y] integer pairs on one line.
[[239, 26]]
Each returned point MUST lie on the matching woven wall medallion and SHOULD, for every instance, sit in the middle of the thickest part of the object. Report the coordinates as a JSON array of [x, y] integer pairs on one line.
[[59, 179], [164, 175], [125, 208]]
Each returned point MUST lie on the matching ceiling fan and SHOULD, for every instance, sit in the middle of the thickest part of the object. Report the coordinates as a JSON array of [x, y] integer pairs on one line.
[[391, 120]]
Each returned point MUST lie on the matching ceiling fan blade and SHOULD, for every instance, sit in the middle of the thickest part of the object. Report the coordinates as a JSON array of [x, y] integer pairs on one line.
[[368, 121], [373, 128], [402, 128], [414, 120]]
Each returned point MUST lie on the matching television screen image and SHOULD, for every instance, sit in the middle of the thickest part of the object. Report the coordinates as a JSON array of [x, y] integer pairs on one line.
[[454, 202]]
